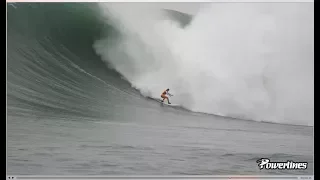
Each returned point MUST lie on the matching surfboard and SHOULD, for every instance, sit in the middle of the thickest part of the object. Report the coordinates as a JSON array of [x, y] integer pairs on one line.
[[171, 104], [166, 103]]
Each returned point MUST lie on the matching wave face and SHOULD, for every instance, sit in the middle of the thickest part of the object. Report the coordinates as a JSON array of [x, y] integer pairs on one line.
[[252, 61], [53, 70]]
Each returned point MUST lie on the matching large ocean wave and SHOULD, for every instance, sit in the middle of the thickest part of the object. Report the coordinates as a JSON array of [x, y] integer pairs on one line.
[[251, 61]]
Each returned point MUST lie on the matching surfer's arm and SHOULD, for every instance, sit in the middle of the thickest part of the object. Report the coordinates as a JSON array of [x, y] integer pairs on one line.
[[169, 94]]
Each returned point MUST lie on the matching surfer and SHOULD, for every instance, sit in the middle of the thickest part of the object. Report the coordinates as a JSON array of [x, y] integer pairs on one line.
[[163, 95]]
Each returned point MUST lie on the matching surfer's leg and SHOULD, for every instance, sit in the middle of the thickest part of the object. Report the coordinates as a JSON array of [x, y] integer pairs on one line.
[[163, 98]]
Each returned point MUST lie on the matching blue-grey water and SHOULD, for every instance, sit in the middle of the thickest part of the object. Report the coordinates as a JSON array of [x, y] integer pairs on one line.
[[69, 114]]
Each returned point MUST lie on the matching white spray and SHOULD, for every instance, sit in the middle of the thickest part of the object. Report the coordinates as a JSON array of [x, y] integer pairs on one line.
[[252, 61]]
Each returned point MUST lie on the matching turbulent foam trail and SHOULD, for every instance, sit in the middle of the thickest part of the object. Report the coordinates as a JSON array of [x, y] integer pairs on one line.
[[253, 61]]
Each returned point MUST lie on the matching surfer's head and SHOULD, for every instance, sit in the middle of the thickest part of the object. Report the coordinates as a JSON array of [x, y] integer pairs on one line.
[[167, 89]]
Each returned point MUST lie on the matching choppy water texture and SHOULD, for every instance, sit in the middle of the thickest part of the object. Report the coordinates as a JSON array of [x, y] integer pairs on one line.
[[70, 114]]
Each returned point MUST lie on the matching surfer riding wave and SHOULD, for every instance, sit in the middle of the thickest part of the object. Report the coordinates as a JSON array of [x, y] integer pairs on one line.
[[163, 95]]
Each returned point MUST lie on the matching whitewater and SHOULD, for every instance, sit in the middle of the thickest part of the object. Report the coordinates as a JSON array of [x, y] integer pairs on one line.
[[250, 61]]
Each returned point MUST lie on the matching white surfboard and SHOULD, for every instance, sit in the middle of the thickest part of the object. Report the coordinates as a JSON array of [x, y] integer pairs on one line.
[[171, 104], [166, 103]]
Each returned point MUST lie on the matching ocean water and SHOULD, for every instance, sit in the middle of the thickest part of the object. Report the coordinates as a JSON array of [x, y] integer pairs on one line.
[[76, 105]]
